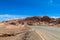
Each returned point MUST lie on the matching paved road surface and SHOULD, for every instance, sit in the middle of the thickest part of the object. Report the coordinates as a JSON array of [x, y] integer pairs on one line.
[[47, 33]]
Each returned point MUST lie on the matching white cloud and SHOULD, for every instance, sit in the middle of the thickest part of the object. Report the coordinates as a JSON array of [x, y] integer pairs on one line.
[[5, 17], [10, 17], [55, 16]]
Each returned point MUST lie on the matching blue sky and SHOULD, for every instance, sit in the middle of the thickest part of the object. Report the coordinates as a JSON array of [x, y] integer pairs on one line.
[[30, 7]]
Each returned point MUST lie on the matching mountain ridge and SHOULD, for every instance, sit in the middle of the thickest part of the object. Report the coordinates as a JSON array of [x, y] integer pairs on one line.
[[35, 20]]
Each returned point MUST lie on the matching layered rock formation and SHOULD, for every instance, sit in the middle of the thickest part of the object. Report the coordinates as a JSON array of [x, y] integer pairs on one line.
[[36, 20], [20, 26]]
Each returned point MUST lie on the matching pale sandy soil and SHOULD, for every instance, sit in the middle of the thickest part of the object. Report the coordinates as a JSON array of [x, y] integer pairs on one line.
[[47, 32], [28, 35], [20, 33]]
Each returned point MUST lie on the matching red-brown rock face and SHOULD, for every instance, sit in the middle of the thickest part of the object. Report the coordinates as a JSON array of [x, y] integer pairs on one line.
[[36, 20]]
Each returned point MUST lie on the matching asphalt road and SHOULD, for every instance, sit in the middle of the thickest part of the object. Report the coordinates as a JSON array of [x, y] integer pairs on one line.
[[47, 32]]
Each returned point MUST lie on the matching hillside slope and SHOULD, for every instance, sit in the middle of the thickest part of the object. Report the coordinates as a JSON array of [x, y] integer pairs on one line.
[[28, 35]]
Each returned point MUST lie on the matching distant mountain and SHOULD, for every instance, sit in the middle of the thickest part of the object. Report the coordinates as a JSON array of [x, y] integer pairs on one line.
[[6, 17], [36, 20]]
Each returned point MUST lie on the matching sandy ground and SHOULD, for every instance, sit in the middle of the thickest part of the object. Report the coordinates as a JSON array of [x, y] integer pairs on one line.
[[30, 35], [47, 33], [21, 33]]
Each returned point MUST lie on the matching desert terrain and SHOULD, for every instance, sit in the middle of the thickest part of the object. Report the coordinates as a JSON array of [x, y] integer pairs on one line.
[[30, 28], [47, 33]]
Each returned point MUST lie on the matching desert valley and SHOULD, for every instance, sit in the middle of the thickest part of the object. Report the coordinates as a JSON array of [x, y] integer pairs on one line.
[[30, 28]]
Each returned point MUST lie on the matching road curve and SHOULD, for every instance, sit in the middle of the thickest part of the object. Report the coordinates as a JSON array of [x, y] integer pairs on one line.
[[47, 33]]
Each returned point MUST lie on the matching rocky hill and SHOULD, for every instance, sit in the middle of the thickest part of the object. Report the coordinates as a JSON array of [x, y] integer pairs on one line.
[[36, 20], [18, 29]]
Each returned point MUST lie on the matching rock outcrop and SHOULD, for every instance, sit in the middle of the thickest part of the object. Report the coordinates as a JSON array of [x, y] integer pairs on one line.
[[36, 20], [18, 29]]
